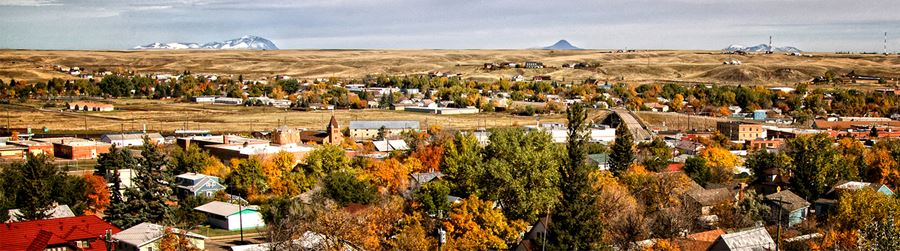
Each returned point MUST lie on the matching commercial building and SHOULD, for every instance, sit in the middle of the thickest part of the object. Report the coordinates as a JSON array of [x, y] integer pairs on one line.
[[131, 139], [442, 110], [76, 148], [363, 130], [740, 131], [34, 147]]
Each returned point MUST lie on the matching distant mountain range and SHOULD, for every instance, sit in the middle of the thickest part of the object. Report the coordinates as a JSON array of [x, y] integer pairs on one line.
[[246, 42], [761, 48], [561, 45]]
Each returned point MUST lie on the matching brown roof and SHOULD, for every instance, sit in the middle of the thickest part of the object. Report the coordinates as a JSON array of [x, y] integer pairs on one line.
[[333, 123], [789, 200], [709, 236], [710, 197]]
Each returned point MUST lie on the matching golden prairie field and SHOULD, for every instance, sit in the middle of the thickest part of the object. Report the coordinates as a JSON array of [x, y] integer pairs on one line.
[[636, 67]]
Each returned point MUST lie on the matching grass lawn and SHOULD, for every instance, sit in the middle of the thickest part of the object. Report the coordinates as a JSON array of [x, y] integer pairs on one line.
[[213, 232]]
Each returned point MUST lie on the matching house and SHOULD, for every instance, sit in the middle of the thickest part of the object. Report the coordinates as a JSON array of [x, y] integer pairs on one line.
[[748, 240], [76, 148], [541, 78], [788, 207], [147, 236], [601, 160], [131, 139], [417, 180], [657, 107], [760, 115], [534, 235], [228, 101], [204, 99], [518, 78], [534, 65], [195, 184], [69, 233], [232, 217], [89, 106], [706, 199], [361, 130], [59, 211], [390, 145], [689, 147], [824, 204], [740, 131]]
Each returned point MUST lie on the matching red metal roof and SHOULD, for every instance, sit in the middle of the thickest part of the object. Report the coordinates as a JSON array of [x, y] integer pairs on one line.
[[40, 234]]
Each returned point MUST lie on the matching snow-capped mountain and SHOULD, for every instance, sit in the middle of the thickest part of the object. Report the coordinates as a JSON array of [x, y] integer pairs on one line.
[[245, 42], [761, 48], [562, 45]]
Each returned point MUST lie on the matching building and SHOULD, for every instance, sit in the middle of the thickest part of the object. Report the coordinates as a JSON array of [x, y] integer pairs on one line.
[[33, 147], [788, 207], [12, 152], [60, 211], [131, 139], [417, 180], [601, 160], [534, 65], [195, 184], [706, 199], [363, 130], [334, 134], [390, 145], [738, 131], [228, 101], [69, 233], [89, 107], [748, 240], [76, 148], [231, 216], [204, 99], [147, 236], [442, 110], [760, 115], [764, 144]]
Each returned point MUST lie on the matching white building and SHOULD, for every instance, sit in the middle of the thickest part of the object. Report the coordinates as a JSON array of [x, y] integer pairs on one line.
[[231, 216], [131, 139], [147, 236]]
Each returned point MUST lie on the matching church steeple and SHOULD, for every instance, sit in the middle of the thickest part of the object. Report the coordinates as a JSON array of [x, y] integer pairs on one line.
[[334, 132]]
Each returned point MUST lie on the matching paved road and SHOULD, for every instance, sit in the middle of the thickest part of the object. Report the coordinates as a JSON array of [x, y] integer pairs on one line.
[[637, 130], [222, 243]]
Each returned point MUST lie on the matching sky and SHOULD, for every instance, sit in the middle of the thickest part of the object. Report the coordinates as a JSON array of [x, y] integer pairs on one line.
[[811, 25]]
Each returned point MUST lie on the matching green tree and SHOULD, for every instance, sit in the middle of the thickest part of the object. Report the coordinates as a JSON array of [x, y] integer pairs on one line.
[[109, 165], [655, 155], [344, 187], [814, 165], [575, 220], [191, 159], [760, 161], [881, 235], [622, 150], [247, 179], [327, 159], [433, 197], [463, 163], [698, 170], [38, 177], [150, 191], [522, 168]]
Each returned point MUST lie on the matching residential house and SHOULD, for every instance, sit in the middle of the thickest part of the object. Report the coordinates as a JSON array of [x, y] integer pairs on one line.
[[131, 139], [824, 204], [417, 180], [535, 235], [362, 130], [601, 160], [689, 147], [518, 78], [787, 207], [230, 216], [534, 65], [390, 145], [706, 199], [147, 237], [748, 240], [195, 184], [59, 211], [69, 233]]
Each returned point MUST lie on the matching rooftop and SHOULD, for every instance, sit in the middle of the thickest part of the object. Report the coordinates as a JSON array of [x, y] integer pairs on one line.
[[40, 234], [397, 124], [132, 136], [144, 233], [60, 211], [789, 200], [222, 208]]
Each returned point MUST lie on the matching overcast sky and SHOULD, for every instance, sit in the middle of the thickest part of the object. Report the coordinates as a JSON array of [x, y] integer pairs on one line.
[[811, 25]]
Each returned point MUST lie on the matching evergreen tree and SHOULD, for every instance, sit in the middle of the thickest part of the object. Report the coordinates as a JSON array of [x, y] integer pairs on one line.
[[576, 221], [147, 198], [109, 165], [622, 150], [38, 176]]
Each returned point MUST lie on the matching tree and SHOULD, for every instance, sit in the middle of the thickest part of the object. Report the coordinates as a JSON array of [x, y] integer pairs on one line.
[[432, 197], [430, 156], [698, 170], [677, 102], [881, 235], [280, 176], [463, 164], [247, 179], [575, 225], [523, 167], [863, 207], [38, 176], [655, 155], [721, 164], [622, 150], [109, 164], [760, 161], [190, 159], [327, 159], [389, 175], [344, 187], [475, 224], [97, 196], [814, 165], [150, 192], [176, 240], [883, 166]]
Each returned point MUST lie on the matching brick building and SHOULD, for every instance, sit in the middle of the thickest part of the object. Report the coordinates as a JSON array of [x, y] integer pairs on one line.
[[740, 131]]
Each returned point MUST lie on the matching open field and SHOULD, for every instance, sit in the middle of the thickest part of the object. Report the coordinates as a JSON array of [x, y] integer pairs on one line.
[[166, 116], [644, 66], [678, 121]]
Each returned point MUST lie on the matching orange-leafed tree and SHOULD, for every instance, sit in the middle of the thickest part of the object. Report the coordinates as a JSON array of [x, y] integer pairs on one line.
[[477, 225], [721, 163], [882, 167], [390, 175], [97, 194], [430, 156]]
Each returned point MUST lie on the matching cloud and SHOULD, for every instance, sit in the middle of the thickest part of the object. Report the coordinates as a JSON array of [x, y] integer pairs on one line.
[[29, 3]]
